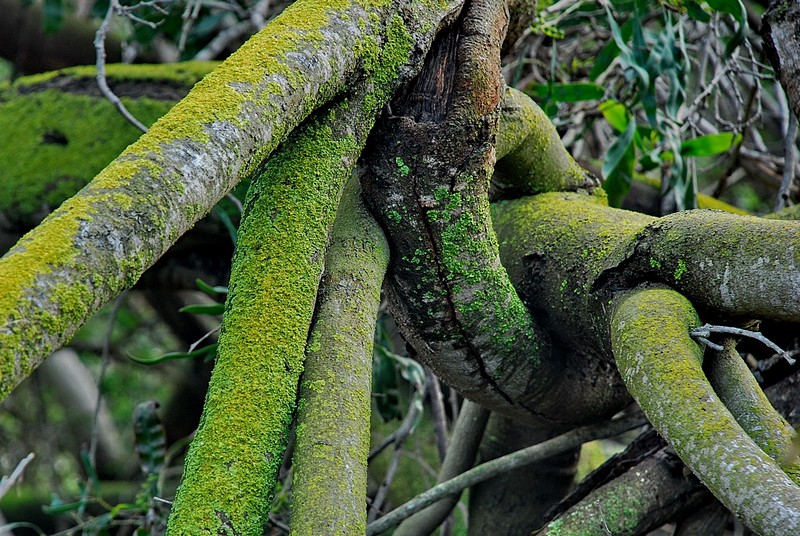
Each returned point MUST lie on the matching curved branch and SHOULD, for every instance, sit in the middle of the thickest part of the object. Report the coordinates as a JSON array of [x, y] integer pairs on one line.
[[329, 481], [661, 366], [739, 391], [427, 185], [531, 158], [100, 241]]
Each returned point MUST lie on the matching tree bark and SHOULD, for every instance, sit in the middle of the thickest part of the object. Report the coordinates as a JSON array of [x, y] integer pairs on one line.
[[781, 33], [329, 481], [101, 240]]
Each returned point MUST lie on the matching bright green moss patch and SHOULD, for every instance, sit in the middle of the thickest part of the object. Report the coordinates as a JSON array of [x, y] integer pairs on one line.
[[680, 270], [52, 144]]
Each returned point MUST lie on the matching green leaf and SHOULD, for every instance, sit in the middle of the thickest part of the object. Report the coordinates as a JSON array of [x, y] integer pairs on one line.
[[200, 352], [696, 11], [384, 384], [732, 7], [212, 309], [228, 223], [57, 506], [208, 289], [618, 166], [616, 114], [568, 92], [736, 9], [710, 144]]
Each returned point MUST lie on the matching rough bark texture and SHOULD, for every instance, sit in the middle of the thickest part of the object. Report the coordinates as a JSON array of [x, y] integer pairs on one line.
[[728, 264], [429, 169], [232, 464], [100, 241], [329, 479], [781, 32], [661, 366]]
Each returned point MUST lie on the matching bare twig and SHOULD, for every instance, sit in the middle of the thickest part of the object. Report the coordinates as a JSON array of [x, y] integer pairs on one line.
[[7, 481], [789, 160], [105, 362], [102, 83], [438, 413], [190, 14], [223, 39], [702, 333]]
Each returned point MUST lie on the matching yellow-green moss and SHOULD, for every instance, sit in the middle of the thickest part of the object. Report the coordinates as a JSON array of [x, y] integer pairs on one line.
[[40, 174], [288, 212]]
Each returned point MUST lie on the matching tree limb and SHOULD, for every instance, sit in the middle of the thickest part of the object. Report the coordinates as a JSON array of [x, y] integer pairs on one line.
[[661, 366], [329, 479], [100, 241]]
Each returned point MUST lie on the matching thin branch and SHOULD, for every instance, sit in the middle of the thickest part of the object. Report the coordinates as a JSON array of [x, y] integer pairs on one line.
[[7, 481], [703, 332], [505, 464], [790, 154], [223, 39], [439, 415], [102, 83], [105, 362]]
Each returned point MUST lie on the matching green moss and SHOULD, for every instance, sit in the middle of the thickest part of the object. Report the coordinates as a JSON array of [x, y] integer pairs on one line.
[[680, 270], [402, 168], [66, 140]]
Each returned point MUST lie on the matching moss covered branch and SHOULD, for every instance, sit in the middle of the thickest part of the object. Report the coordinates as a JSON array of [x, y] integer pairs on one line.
[[531, 158], [329, 481], [662, 368], [101, 240], [730, 264]]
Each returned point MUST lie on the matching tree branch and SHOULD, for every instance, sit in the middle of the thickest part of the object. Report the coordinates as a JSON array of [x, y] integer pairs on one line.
[[329, 480], [100, 241], [661, 366]]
